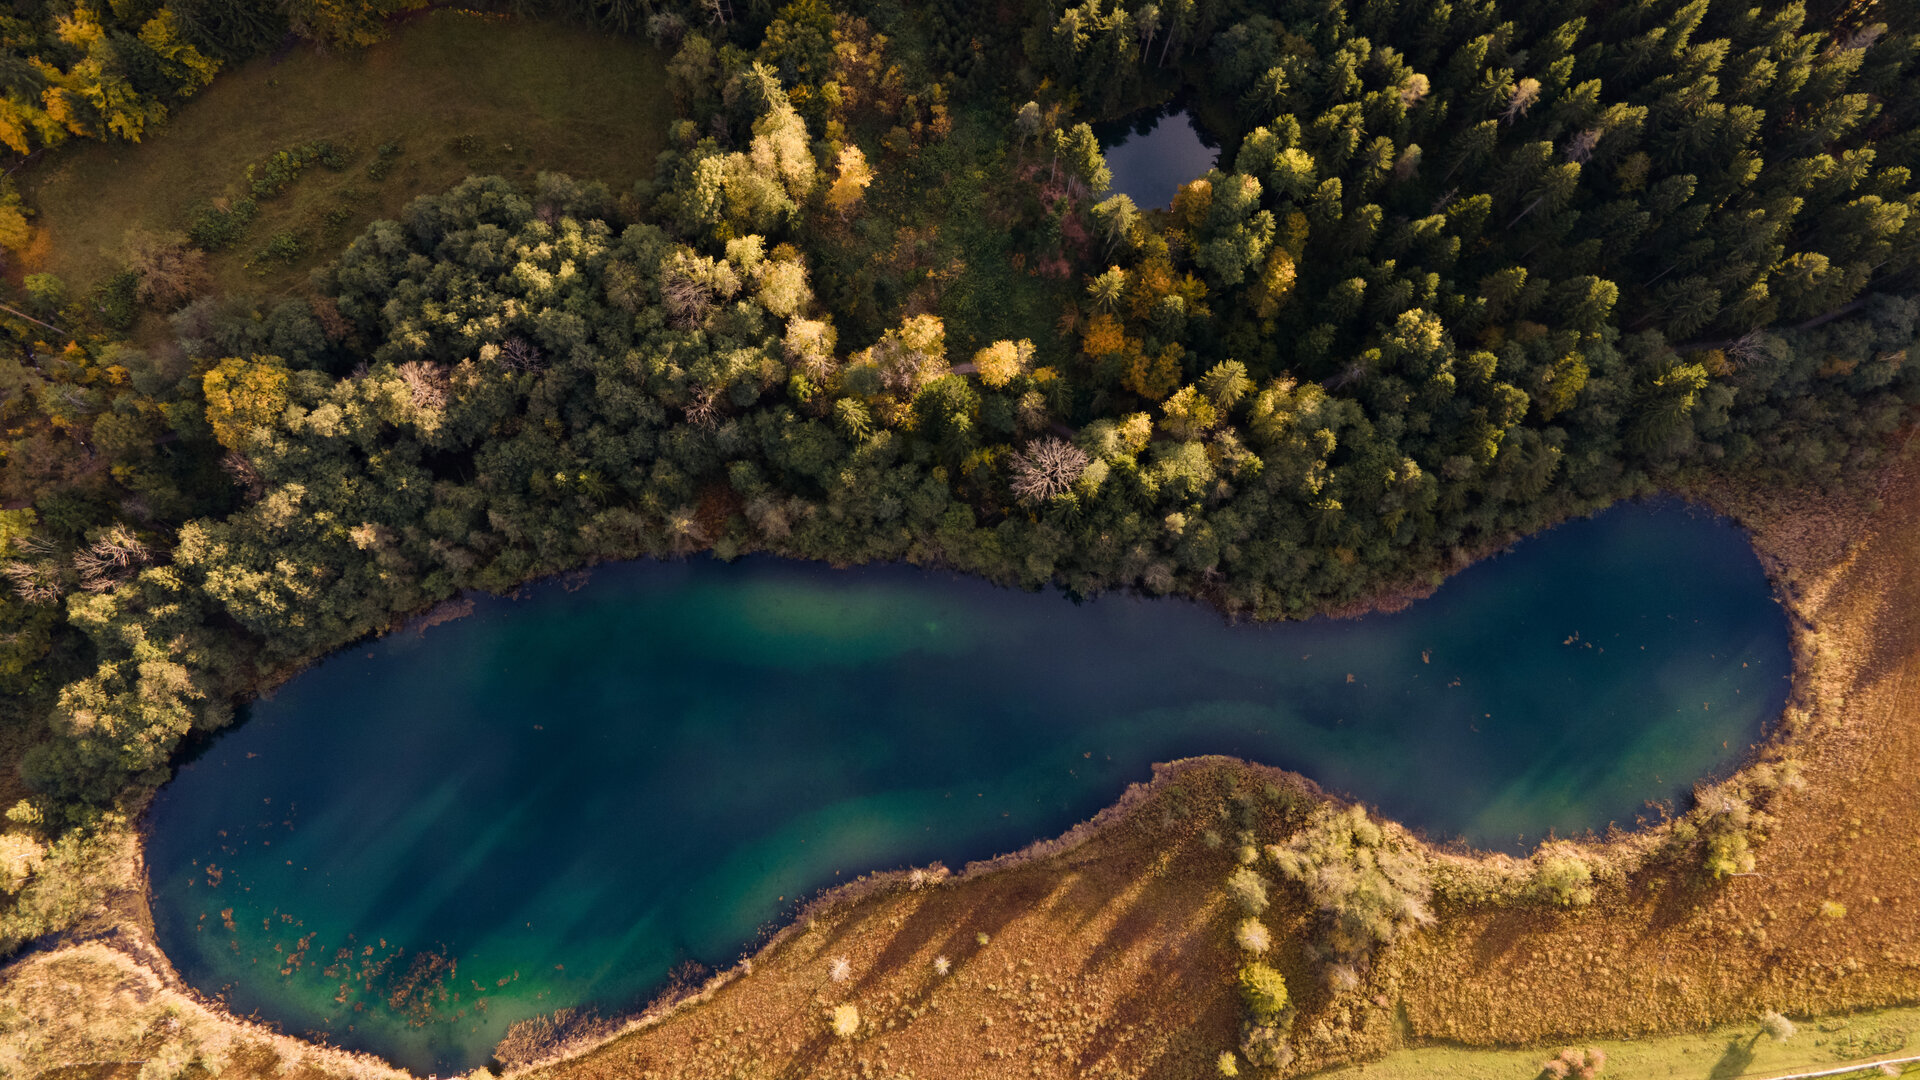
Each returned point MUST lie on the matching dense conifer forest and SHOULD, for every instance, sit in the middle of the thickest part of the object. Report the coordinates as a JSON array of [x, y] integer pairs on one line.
[[1463, 269]]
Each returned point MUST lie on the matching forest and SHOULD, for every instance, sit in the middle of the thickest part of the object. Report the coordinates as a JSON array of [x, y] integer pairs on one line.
[[1464, 269]]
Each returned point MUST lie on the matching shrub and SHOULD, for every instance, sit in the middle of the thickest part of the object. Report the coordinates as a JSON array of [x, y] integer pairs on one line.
[[1371, 886], [383, 161], [1728, 854], [1266, 1046], [1571, 1064], [1248, 889], [1832, 909], [1563, 879], [335, 219], [1252, 936], [115, 300], [219, 226], [283, 248], [20, 858], [1730, 826], [845, 1020], [45, 292], [172, 1060], [169, 272], [277, 174], [1264, 991], [15, 233]]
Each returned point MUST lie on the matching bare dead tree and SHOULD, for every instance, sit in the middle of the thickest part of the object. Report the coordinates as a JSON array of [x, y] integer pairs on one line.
[[688, 300], [36, 582], [1746, 348], [1525, 93], [244, 473], [519, 354], [426, 383], [1580, 147], [703, 408], [110, 559], [1047, 467], [1352, 374]]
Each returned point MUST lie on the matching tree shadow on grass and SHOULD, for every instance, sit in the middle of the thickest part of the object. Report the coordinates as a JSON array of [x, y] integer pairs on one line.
[[1734, 1062]]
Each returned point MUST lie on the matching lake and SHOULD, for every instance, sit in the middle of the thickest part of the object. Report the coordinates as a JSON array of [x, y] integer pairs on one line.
[[559, 798], [1152, 153]]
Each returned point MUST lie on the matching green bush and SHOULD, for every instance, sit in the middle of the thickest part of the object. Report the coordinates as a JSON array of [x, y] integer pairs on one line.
[[283, 248], [336, 218], [383, 161], [216, 228], [1564, 879], [117, 300], [1264, 990], [45, 292], [277, 174]]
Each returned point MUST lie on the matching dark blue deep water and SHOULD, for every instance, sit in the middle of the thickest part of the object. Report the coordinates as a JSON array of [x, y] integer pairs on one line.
[[1151, 155], [557, 799]]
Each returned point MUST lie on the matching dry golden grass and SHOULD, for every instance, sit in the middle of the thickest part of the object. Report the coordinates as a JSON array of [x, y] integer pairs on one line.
[[1109, 958], [93, 1009]]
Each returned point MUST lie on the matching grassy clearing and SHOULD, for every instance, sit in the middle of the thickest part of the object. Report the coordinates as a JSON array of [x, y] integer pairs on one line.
[[455, 93], [1723, 1053]]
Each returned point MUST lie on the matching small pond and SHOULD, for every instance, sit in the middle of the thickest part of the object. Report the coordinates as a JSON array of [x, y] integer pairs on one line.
[[1152, 153], [558, 799]]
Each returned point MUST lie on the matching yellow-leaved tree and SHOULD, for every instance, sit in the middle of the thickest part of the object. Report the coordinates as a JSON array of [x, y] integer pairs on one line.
[[1001, 362], [846, 190], [243, 395]]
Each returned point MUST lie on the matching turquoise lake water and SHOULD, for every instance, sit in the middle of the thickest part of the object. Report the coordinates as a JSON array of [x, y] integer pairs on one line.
[[559, 798], [1152, 154]]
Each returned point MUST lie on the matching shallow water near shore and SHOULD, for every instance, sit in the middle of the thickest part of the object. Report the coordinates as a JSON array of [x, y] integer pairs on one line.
[[558, 799]]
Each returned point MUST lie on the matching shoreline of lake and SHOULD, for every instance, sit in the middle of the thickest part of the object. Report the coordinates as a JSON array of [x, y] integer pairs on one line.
[[1051, 843]]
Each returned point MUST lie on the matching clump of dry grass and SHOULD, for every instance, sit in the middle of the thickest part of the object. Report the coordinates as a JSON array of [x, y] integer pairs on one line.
[[542, 1038], [845, 1020]]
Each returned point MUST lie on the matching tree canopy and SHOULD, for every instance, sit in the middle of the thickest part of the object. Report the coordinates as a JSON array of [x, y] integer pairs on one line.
[[1462, 272]]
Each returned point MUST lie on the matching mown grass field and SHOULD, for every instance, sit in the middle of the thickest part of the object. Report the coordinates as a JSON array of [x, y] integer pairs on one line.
[[1722, 1053], [458, 93]]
